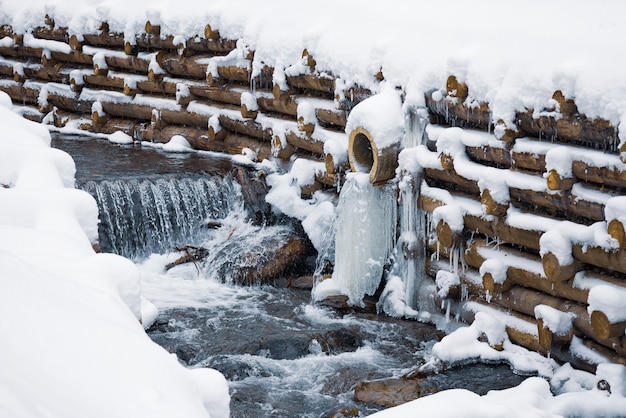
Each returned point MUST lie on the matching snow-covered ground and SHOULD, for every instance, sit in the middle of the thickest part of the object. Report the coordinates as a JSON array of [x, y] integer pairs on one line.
[[71, 319], [73, 343]]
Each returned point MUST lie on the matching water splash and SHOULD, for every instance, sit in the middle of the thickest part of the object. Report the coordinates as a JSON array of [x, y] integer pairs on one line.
[[143, 216]]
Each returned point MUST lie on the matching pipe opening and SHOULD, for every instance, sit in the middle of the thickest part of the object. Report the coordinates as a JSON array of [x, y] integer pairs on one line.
[[362, 153]]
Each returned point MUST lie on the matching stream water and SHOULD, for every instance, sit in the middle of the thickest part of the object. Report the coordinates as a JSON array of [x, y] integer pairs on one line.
[[282, 355]]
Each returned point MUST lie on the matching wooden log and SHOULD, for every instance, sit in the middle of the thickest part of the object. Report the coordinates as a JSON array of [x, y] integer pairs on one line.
[[188, 67], [162, 87], [313, 83], [73, 57], [56, 73], [109, 126], [128, 110], [600, 175], [102, 39], [599, 257], [211, 33], [216, 46], [557, 272], [456, 89], [491, 206], [230, 73], [453, 179], [524, 300], [571, 128], [235, 144], [445, 235], [51, 33], [304, 142], [499, 157], [604, 328], [245, 127], [281, 149], [247, 113], [500, 229], [21, 52], [558, 204], [109, 81], [455, 112], [528, 161], [286, 106], [335, 118], [221, 94], [185, 118], [128, 62], [549, 339], [349, 98], [615, 228], [556, 182]]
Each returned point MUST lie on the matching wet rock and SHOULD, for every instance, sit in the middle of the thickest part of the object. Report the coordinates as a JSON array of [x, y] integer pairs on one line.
[[186, 353], [286, 348], [340, 302], [340, 341], [388, 392]]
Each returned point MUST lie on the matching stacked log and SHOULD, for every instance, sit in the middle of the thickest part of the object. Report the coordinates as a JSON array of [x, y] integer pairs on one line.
[[505, 259]]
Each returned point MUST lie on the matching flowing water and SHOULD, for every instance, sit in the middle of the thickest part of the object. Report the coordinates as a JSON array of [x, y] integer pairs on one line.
[[282, 355]]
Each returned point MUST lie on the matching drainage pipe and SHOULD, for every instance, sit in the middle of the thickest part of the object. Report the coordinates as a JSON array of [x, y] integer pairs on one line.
[[376, 129]]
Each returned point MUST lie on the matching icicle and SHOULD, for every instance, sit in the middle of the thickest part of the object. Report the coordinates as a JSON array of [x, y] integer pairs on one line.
[[364, 237]]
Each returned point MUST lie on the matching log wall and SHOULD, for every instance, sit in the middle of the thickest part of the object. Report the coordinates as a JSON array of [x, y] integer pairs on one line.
[[156, 88], [501, 254]]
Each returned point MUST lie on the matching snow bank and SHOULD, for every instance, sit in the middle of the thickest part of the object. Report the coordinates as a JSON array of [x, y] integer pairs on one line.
[[71, 319]]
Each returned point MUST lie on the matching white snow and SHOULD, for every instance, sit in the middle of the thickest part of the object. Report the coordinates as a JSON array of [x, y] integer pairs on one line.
[[71, 319]]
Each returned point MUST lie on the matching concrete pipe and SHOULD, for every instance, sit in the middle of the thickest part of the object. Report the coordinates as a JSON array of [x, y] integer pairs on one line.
[[376, 130], [365, 156]]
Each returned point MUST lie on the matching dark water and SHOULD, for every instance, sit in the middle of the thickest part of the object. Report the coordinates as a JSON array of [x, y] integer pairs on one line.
[[282, 355]]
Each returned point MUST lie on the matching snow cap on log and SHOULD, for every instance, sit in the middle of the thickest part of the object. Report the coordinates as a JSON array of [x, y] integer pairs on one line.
[[376, 129]]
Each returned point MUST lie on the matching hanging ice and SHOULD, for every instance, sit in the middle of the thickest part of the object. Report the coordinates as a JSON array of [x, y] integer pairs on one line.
[[364, 237]]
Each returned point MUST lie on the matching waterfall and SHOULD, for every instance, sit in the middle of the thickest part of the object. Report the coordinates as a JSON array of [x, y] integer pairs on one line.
[[153, 215], [364, 237]]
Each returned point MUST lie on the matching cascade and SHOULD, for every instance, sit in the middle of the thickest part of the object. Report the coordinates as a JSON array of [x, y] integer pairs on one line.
[[153, 215], [365, 235]]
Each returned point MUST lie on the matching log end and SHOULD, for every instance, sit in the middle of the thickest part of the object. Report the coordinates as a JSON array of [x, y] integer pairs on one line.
[[603, 328], [100, 71], [456, 89], [307, 128], [248, 114], [556, 182], [210, 33], [488, 282], [491, 206], [129, 49], [281, 150], [447, 162], [445, 236], [75, 44], [152, 29], [551, 266], [309, 61], [567, 106], [545, 335], [217, 135], [616, 230]]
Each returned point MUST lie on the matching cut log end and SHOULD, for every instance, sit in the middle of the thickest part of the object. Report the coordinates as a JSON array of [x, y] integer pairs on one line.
[[566, 106], [307, 128], [152, 29], [545, 335], [309, 61], [456, 89], [210, 33], [488, 282], [281, 150], [447, 162], [217, 135], [603, 328], [445, 236], [129, 49], [100, 71], [75, 44], [491, 206], [616, 230], [248, 114], [556, 182], [551, 266]]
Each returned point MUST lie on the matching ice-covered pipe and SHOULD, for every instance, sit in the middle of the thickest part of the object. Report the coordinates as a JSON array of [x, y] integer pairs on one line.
[[376, 130]]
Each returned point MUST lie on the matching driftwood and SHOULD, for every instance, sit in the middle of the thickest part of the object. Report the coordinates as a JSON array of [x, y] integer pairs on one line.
[[192, 254]]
